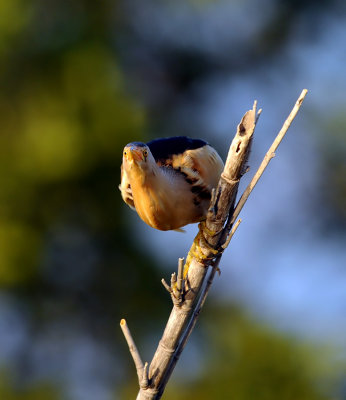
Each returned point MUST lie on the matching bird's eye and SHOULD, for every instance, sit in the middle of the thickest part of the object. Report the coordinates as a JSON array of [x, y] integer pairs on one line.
[[125, 152], [145, 153]]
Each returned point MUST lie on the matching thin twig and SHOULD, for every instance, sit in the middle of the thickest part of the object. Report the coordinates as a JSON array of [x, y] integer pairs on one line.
[[269, 155], [144, 382], [180, 274], [230, 235], [166, 286], [259, 112], [133, 350]]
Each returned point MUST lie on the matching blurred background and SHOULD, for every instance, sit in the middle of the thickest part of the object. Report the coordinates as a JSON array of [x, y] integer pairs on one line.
[[81, 79]]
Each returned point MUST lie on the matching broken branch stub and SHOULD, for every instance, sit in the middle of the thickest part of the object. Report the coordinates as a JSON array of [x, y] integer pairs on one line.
[[236, 163]]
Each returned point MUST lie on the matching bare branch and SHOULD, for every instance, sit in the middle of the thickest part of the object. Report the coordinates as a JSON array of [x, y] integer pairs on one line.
[[198, 307], [133, 349], [180, 274], [166, 286], [235, 227], [144, 381], [176, 288], [191, 324]]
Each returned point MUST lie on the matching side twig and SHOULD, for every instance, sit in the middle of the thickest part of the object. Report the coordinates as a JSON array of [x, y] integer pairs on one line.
[[133, 350], [176, 289]]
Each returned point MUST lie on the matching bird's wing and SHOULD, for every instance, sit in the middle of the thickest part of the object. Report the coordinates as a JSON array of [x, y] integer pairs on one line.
[[165, 148], [125, 188], [195, 159], [201, 166]]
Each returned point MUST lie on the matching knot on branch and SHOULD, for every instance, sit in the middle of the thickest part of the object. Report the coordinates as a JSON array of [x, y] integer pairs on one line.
[[230, 181]]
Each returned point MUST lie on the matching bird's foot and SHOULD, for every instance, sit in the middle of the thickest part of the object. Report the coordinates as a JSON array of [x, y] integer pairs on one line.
[[200, 250], [202, 226]]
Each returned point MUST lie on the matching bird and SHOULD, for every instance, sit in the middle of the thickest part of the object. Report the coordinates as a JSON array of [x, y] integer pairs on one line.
[[169, 181]]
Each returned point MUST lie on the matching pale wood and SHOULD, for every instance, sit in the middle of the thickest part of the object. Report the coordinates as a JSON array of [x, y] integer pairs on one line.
[[133, 349]]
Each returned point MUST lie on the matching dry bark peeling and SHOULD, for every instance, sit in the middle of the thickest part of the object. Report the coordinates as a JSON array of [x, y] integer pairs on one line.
[[190, 286]]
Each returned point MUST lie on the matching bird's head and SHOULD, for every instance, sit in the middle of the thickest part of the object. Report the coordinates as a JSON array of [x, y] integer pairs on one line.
[[137, 156]]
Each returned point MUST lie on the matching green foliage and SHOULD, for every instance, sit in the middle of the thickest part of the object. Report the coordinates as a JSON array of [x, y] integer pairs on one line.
[[59, 123], [8, 391], [19, 247], [14, 17]]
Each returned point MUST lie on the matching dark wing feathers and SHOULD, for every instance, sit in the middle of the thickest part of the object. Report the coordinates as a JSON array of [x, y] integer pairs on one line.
[[194, 159], [164, 149]]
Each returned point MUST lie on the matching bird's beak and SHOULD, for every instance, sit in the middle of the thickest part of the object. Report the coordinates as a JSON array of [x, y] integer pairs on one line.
[[136, 154]]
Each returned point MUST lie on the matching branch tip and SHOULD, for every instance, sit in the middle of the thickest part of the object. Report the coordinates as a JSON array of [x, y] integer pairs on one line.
[[173, 278], [259, 112], [269, 155], [180, 274], [133, 349], [303, 93], [166, 286], [144, 382]]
